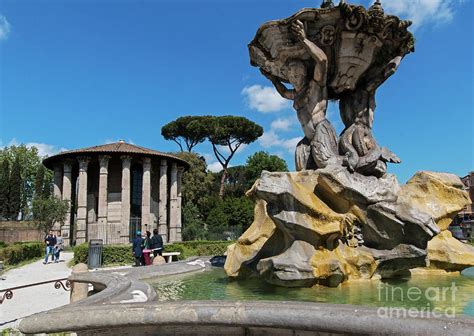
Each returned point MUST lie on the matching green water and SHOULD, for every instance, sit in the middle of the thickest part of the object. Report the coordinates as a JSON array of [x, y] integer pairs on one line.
[[444, 293]]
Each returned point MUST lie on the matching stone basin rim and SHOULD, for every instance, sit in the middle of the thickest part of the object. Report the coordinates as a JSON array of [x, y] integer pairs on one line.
[[103, 310]]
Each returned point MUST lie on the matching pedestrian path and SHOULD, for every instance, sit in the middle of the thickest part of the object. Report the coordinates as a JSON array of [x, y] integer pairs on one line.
[[35, 299]]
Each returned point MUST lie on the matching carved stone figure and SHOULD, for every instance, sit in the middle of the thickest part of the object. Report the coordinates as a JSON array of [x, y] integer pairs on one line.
[[357, 144], [310, 100], [334, 53], [347, 219]]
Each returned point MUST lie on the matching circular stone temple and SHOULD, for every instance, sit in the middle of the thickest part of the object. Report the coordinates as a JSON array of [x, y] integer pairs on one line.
[[115, 190]]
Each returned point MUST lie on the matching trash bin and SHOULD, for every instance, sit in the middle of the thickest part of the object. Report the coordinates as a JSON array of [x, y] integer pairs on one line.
[[94, 259]]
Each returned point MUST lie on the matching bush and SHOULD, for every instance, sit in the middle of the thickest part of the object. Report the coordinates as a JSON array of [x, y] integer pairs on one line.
[[198, 248], [3, 244], [15, 254], [111, 254], [122, 254]]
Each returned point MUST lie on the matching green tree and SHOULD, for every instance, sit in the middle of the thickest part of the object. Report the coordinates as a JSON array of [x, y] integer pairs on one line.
[[193, 224], [235, 182], [48, 211], [14, 195], [189, 129], [259, 162], [4, 188], [230, 217], [197, 181], [29, 163], [227, 134], [39, 182]]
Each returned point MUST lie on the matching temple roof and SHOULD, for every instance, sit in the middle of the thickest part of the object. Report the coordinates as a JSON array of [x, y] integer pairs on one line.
[[120, 147]]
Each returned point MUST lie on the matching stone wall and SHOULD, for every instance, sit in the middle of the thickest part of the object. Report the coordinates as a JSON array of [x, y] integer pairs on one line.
[[11, 232]]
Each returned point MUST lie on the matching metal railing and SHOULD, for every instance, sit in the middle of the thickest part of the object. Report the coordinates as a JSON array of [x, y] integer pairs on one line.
[[58, 283]]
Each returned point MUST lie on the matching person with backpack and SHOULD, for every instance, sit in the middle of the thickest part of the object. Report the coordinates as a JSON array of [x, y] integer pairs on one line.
[[156, 243], [137, 248]]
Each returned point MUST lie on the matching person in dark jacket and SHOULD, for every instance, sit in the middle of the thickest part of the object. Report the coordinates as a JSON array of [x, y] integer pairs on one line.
[[50, 241], [137, 248], [156, 243]]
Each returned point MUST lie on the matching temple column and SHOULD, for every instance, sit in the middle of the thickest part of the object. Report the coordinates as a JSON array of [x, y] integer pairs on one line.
[[82, 201], [146, 194], [163, 201], [179, 223], [103, 196], [125, 230], [57, 184], [173, 202], [66, 195], [58, 180]]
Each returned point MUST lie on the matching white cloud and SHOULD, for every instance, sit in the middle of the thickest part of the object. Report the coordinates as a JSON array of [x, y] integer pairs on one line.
[[226, 150], [214, 167], [271, 139], [5, 28], [43, 149], [422, 12], [282, 124], [264, 99]]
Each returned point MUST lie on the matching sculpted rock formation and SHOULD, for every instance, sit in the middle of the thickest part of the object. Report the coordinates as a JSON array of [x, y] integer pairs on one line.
[[341, 216], [329, 225]]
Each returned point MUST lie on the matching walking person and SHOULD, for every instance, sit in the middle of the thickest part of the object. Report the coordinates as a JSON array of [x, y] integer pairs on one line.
[[156, 243], [137, 248], [58, 247], [50, 241], [146, 249]]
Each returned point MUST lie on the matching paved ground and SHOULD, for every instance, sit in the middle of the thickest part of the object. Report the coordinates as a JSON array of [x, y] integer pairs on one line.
[[35, 299]]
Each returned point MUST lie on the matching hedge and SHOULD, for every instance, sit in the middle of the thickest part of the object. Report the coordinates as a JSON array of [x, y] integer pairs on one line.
[[122, 254], [16, 253]]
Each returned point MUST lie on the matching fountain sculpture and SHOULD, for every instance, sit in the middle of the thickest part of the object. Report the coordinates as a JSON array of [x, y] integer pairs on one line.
[[341, 216]]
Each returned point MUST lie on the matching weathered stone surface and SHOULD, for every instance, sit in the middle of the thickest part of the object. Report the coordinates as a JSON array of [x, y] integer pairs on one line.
[[328, 226], [398, 261], [159, 260], [291, 268], [355, 188], [80, 290], [391, 224], [251, 242], [331, 267], [441, 195], [447, 253]]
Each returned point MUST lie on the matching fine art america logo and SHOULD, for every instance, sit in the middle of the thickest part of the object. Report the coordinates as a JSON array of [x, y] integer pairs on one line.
[[434, 302]]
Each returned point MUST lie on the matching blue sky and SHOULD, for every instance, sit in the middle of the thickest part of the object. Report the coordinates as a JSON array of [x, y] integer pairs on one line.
[[81, 73]]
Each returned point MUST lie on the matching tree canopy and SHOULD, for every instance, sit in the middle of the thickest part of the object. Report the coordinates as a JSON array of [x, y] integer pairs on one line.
[[29, 166], [227, 134], [49, 210], [190, 129], [261, 161]]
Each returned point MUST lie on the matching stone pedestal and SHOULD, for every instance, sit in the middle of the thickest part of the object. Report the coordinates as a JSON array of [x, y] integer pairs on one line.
[[125, 230], [163, 215], [146, 194], [82, 201], [79, 290], [66, 195], [173, 202], [103, 194]]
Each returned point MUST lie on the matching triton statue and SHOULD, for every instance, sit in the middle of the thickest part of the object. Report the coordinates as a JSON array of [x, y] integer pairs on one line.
[[340, 53]]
